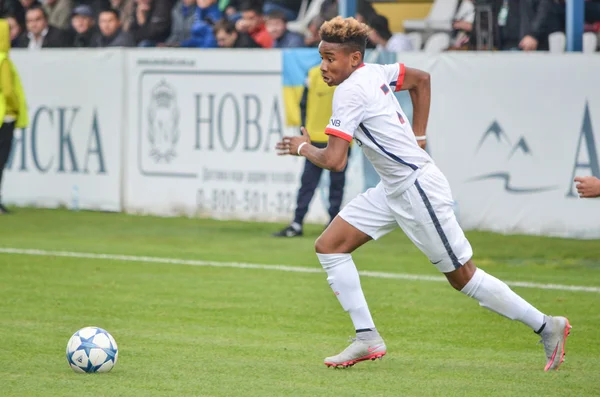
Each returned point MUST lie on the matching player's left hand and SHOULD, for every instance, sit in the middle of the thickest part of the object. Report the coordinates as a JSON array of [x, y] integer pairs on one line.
[[289, 144], [422, 144]]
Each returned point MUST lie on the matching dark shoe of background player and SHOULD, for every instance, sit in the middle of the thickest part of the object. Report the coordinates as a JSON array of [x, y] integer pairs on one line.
[[289, 231]]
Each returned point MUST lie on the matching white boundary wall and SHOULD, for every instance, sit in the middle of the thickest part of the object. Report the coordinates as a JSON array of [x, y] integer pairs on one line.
[[73, 142]]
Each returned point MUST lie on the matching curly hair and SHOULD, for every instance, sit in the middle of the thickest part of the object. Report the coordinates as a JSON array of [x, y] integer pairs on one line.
[[347, 31]]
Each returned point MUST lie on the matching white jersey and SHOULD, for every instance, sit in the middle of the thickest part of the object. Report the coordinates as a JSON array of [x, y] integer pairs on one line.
[[365, 108]]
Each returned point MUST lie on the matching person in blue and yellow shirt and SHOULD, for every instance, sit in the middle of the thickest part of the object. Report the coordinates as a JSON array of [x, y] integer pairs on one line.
[[13, 109], [315, 110]]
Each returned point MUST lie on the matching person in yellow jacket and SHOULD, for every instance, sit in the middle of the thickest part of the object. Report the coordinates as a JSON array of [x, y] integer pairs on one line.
[[315, 110], [13, 109]]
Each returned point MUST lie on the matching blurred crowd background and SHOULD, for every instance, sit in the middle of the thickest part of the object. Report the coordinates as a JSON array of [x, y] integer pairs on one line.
[[524, 25]]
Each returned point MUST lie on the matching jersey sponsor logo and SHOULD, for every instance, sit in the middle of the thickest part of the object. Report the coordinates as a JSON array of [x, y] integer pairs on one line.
[[336, 122]]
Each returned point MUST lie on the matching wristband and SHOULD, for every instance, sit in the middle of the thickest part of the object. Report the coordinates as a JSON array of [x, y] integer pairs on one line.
[[300, 147], [421, 137]]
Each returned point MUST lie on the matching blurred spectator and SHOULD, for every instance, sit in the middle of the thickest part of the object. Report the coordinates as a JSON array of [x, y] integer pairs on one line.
[[111, 31], [125, 9], [15, 30], [521, 24], [252, 22], [27, 4], [382, 37], [588, 186], [289, 8], [228, 37], [312, 38], [207, 13], [39, 33], [364, 10], [59, 13], [558, 14], [83, 24], [463, 25], [182, 18], [232, 9], [96, 6], [14, 108], [223, 4], [15, 9], [276, 25], [151, 22]]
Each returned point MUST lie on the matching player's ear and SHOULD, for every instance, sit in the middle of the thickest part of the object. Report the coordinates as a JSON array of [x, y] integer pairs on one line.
[[355, 58]]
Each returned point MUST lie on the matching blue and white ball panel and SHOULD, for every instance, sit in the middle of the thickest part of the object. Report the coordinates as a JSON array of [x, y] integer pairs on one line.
[[92, 349]]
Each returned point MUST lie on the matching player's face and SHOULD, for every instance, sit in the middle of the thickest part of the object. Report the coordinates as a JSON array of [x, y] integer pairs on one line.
[[337, 63]]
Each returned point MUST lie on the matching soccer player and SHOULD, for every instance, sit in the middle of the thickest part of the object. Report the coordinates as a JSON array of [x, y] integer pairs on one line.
[[413, 193]]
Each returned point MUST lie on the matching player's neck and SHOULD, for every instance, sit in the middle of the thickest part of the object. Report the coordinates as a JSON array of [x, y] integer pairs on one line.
[[354, 69]]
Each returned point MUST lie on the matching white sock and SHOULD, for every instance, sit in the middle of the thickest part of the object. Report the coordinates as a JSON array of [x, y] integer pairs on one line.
[[496, 296], [345, 283]]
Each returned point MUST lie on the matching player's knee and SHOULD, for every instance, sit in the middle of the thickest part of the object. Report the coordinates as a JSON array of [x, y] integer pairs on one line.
[[461, 276], [323, 246], [320, 246], [457, 285]]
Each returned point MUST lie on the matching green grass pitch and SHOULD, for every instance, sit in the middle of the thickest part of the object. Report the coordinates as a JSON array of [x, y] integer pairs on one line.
[[211, 331]]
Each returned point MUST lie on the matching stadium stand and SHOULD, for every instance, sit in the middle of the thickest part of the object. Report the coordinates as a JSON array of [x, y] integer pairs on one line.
[[430, 25]]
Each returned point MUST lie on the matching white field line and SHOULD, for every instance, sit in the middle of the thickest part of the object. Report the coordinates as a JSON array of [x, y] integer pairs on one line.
[[284, 268]]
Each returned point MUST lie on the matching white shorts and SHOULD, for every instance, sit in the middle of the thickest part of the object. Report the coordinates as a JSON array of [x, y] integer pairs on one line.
[[424, 212]]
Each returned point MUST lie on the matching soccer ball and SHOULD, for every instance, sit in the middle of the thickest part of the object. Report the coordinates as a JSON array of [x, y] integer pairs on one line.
[[92, 349]]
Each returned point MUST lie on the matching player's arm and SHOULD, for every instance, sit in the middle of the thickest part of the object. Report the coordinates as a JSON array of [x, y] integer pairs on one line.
[[349, 103], [348, 106], [418, 84], [333, 157]]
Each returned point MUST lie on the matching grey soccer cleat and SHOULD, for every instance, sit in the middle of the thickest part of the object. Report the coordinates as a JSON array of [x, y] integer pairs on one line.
[[359, 350], [554, 337]]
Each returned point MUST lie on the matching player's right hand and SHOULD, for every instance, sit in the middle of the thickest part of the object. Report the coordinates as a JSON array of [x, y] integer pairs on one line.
[[289, 144]]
